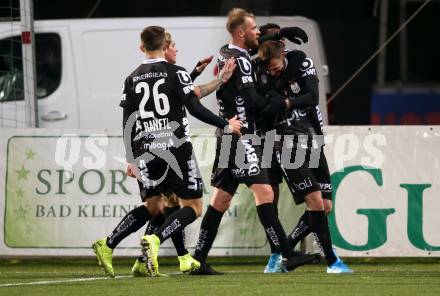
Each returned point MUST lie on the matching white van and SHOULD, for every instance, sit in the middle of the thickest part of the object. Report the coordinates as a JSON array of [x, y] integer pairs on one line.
[[81, 65]]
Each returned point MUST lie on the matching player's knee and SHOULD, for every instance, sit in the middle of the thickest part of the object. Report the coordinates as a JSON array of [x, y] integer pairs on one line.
[[196, 204], [262, 193], [314, 201], [198, 210], [154, 205], [197, 207], [171, 201], [221, 200], [221, 205]]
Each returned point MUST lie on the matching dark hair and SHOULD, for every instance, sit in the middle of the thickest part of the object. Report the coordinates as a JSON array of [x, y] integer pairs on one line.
[[236, 18], [153, 38], [264, 29], [269, 50]]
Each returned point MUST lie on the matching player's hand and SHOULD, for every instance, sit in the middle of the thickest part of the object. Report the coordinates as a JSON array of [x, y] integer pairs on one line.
[[294, 34], [288, 104], [276, 101], [234, 125], [228, 70], [201, 65], [274, 105], [130, 171]]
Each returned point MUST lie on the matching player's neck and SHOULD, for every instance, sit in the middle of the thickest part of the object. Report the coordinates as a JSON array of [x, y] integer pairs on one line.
[[155, 54], [240, 43]]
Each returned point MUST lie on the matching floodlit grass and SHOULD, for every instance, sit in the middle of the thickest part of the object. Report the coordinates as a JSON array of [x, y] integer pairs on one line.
[[244, 277]]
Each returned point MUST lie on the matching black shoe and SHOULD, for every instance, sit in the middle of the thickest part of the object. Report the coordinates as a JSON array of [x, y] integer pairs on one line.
[[300, 260], [316, 260], [205, 269]]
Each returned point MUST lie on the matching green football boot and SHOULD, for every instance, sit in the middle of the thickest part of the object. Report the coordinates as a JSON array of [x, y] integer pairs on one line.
[[104, 255], [150, 249], [188, 263], [139, 268]]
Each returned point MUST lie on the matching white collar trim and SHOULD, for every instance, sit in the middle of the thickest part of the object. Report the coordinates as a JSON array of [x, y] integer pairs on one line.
[[150, 61], [238, 48]]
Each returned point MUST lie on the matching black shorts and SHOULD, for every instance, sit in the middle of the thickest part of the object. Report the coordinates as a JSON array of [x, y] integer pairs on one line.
[[227, 175], [179, 174], [305, 179], [275, 173], [274, 170]]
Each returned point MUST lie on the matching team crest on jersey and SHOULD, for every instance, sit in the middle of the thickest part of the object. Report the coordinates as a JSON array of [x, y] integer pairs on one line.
[[295, 88], [306, 64], [184, 77], [245, 65]]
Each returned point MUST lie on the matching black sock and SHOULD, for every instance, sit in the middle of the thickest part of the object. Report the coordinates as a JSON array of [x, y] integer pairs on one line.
[[132, 222], [273, 248], [177, 237], [273, 228], [319, 227], [301, 230], [155, 223], [176, 222], [208, 232]]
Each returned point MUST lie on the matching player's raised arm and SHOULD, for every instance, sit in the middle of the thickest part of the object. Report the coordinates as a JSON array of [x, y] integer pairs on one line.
[[200, 66], [293, 34], [224, 75], [196, 109]]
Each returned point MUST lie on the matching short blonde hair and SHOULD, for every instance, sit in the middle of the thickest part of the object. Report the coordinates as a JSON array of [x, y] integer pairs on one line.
[[168, 39], [236, 18]]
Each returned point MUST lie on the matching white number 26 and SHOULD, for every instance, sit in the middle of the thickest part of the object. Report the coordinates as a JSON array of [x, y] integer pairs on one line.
[[161, 102]]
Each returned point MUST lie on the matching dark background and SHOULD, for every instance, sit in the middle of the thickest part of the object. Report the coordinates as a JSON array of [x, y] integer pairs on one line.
[[349, 30]]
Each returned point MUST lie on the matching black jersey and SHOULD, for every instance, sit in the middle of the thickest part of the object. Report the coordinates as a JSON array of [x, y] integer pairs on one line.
[[229, 99], [156, 92], [299, 82]]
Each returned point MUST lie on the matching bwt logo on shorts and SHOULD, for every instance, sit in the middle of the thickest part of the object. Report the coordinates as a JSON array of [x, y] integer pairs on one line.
[[254, 169], [193, 175], [306, 183], [251, 158]]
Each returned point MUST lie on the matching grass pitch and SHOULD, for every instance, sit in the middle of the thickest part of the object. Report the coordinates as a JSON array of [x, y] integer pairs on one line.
[[244, 277]]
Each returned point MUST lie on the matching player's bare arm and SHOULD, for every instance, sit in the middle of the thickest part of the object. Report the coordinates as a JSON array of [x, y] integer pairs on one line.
[[224, 75]]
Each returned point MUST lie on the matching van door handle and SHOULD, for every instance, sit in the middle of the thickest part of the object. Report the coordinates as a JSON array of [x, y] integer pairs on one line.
[[54, 116]]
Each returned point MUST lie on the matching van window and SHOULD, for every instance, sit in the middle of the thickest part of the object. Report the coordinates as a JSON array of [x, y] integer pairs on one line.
[[48, 62]]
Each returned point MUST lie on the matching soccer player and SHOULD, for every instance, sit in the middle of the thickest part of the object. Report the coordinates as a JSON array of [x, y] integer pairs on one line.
[[171, 201], [158, 147], [239, 97], [271, 31], [298, 120]]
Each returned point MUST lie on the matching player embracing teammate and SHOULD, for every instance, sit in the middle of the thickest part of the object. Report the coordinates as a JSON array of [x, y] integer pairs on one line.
[[239, 160]]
